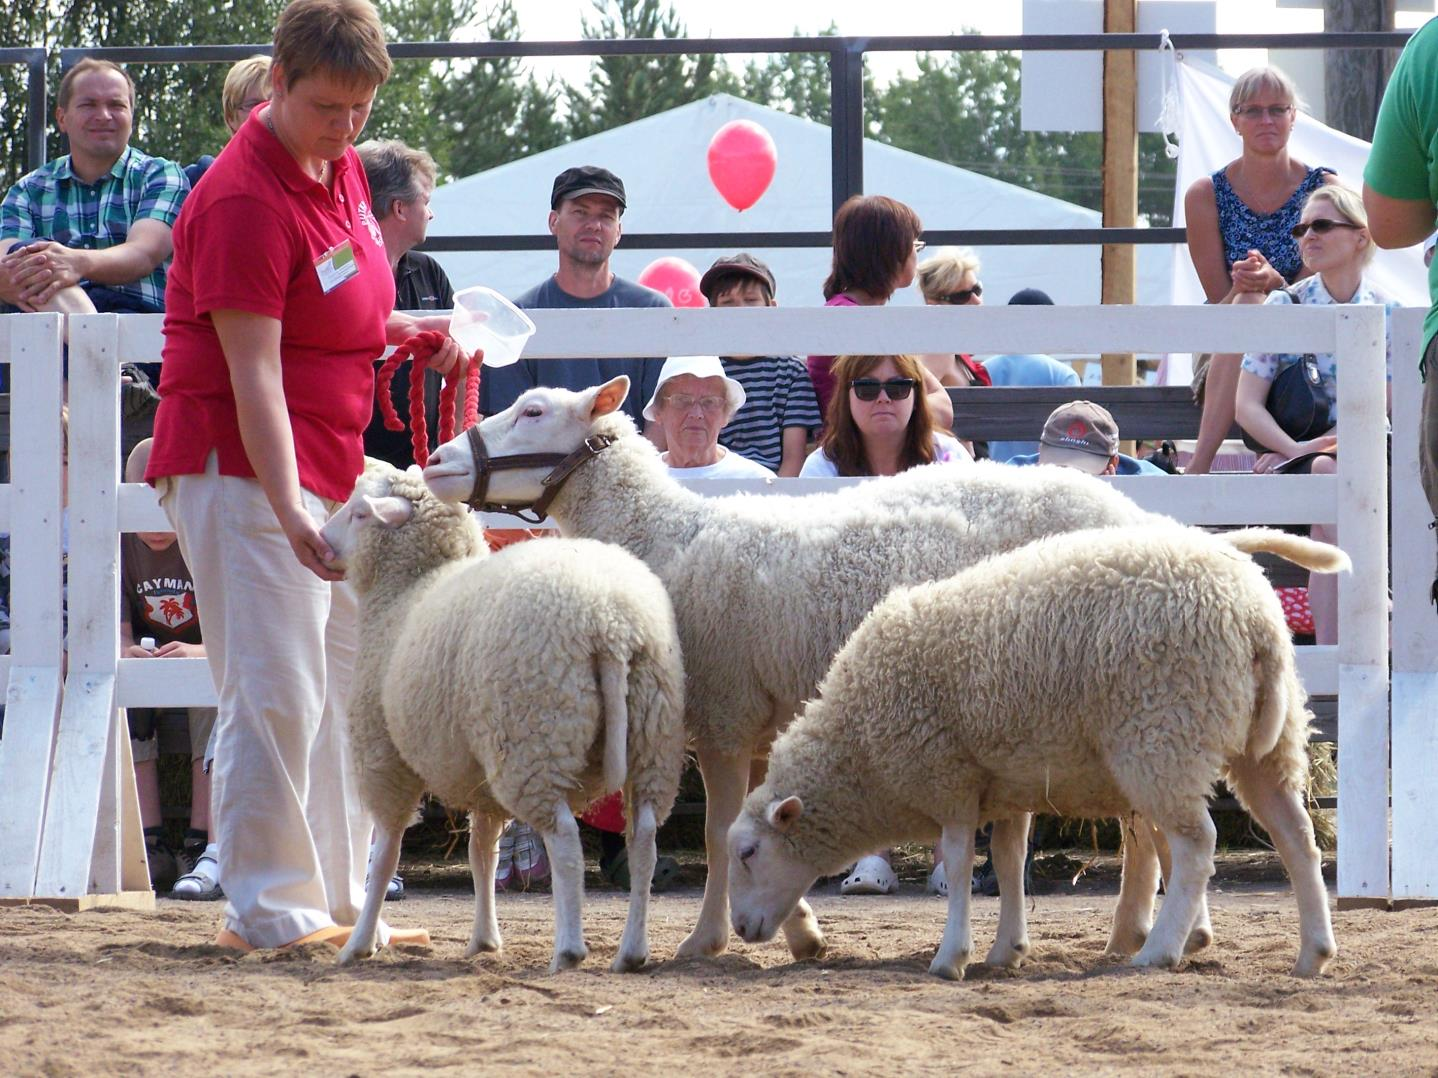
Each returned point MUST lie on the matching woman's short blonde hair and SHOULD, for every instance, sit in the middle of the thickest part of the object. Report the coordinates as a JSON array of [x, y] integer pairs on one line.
[[248, 78], [1260, 80], [1349, 204], [944, 271], [342, 38]]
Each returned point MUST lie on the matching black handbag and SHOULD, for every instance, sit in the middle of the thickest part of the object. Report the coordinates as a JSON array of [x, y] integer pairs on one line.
[[1298, 401]]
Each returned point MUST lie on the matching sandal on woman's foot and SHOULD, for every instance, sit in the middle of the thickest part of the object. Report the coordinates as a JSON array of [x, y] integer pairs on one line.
[[872, 875], [938, 881], [202, 882]]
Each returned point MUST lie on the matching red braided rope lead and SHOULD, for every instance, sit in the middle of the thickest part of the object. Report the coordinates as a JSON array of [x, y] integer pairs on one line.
[[419, 349]]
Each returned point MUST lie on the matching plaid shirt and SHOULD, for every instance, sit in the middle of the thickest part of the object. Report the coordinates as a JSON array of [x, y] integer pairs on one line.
[[53, 203]]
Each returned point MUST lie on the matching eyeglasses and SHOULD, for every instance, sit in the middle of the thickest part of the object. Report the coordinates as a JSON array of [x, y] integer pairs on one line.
[[1320, 227], [1258, 112], [896, 389], [683, 401], [919, 245], [963, 295]]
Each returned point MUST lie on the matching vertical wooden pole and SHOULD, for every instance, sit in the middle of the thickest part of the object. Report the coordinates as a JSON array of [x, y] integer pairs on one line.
[[1120, 173]]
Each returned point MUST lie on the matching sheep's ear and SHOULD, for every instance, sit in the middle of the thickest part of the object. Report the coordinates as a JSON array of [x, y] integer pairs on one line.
[[391, 512], [415, 470], [783, 815], [609, 396]]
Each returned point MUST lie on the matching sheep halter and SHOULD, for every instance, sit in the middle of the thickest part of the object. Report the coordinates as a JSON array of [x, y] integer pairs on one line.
[[563, 466], [419, 348]]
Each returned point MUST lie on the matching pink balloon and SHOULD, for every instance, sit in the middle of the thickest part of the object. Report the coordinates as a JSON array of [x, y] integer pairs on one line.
[[677, 279], [742, 159]]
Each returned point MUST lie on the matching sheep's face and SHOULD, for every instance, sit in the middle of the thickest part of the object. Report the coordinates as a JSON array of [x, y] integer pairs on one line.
[[345, 530], [542, 420], [767, 878]]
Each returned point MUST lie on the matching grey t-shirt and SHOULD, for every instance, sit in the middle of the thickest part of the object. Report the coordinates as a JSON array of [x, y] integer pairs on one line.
[[500, 386]]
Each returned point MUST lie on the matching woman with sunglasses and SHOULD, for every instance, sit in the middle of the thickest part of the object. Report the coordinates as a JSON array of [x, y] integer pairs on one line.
[[1240, 222], [1332, 235], [950, 278], [879, 421], [876, 248]]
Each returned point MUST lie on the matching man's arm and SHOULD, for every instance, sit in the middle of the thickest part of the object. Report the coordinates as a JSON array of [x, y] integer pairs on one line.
[[43, 269], [1398, 222]]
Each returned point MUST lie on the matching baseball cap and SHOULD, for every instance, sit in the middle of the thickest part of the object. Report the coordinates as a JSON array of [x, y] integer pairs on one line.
[[699, 367], [1079, 435], [1031, 297], [729, 266], [586, 180]]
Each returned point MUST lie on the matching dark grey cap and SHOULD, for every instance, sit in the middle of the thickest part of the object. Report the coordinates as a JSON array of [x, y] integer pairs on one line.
[[586, 180], [741, 265]]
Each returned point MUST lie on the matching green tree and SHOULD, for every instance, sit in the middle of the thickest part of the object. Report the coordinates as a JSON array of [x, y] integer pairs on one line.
[[621, 89]]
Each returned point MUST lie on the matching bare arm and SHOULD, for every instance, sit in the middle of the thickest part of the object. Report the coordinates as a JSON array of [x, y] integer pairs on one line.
[[251, 345], [1250, 407], [45, 268], [448, 361], [1397, 222], [795, 440], [1205, 243], [940, 407]]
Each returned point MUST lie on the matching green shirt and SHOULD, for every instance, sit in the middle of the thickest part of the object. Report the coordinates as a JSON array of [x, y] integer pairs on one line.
[[1404, 161]]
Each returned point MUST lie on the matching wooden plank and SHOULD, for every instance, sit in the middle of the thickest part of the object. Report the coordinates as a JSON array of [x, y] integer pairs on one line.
[[1363, 725], [139, 901], [165, 683], [1120, 175], [1415, 636], [32, 708], [72, 805], [1014, 413], [1059, 331]]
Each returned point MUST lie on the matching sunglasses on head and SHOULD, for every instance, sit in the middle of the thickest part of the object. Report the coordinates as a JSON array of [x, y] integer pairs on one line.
[[1320, 226], [963, 295], [896, 389]]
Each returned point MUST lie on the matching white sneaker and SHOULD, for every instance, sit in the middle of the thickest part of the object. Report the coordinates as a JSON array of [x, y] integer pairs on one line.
[[872, 875], [201, 883]]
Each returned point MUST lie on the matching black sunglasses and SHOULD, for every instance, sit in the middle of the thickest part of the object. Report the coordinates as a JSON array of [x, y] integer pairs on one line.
[[896, 389], [963, 296], [1320, 226]]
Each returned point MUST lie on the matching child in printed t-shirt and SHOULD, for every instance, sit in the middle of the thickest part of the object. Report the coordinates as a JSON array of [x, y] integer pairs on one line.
[[158, 619], [780, 410]]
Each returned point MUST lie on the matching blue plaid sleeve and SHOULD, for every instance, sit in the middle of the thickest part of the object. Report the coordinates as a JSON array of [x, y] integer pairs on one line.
[[17, 217], [164, 192]]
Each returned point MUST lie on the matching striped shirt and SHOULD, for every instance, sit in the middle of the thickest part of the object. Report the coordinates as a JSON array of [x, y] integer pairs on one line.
[[52, 203], [777, 395]]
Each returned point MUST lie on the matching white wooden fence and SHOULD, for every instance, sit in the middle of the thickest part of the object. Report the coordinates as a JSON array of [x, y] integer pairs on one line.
[[67, 822]]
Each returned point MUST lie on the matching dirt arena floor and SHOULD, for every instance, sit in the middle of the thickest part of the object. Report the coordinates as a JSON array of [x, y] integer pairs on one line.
[[131, 993]]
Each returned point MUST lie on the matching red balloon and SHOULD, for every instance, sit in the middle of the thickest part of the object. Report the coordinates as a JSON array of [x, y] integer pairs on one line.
[[677, 279], [742, 159]]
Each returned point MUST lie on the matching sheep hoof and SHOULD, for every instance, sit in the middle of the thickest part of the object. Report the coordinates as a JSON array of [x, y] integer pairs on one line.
[[1007, 955], [1122, 943], [629, 963], [949, 970], [482, 947], [1312, 961], [702, 945], [1155, 959], [806, 947], [568, 960], [352, 953], [1198, 939]]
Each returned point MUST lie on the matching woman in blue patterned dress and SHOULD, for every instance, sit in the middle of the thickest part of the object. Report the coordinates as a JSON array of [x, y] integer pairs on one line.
[[1332, 234], [1240, 221]]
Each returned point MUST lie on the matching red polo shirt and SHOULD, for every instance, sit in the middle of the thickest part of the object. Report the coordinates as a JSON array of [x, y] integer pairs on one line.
[[248, 239]]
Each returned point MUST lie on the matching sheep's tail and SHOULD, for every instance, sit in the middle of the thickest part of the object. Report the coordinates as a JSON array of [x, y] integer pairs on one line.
[[1319, 557], [613, 691]]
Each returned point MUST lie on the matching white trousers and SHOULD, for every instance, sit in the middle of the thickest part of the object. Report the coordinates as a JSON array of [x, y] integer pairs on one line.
[[281, 644]]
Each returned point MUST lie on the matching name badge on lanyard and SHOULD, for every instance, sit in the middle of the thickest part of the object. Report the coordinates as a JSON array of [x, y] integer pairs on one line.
[[336, 266]]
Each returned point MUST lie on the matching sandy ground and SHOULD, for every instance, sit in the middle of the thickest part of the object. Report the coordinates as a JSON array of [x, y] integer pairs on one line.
[[125, 993]]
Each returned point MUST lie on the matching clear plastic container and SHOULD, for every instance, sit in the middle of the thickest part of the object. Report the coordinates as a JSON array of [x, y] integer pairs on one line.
[[486, 321]]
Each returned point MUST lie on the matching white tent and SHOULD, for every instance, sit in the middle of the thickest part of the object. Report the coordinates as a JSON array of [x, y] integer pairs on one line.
[[662, 160]]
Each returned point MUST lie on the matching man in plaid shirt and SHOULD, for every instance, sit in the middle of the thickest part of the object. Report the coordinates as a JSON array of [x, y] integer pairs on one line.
[[91, 231]]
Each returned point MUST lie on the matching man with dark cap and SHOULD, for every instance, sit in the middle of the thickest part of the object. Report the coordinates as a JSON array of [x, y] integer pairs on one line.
[[1026, 370], [586, 204], [1084, 436]]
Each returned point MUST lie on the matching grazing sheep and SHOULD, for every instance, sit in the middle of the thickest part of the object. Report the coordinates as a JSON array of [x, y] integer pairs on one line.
[[526, 683], [1043, 704], [766, 590]]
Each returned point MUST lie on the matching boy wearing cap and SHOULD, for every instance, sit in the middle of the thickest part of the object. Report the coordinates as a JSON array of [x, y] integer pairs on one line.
[[779, 410], [1083, 435], [586, 204]]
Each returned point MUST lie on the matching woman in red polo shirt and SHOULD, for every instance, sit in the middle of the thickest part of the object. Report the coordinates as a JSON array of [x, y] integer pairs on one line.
[[279, 301]]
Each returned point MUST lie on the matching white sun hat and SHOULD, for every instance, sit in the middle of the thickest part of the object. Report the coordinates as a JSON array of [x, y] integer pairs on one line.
[[699, 367]]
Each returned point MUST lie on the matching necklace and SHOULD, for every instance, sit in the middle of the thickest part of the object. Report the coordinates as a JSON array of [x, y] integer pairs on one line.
[[324, 165]]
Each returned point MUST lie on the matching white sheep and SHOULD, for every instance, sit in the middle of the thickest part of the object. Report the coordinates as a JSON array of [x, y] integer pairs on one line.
[[1044, 703], [526, 683], [766, 590]]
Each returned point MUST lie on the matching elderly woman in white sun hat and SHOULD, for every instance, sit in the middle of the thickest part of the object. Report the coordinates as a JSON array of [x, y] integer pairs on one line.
[[692, 403]]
